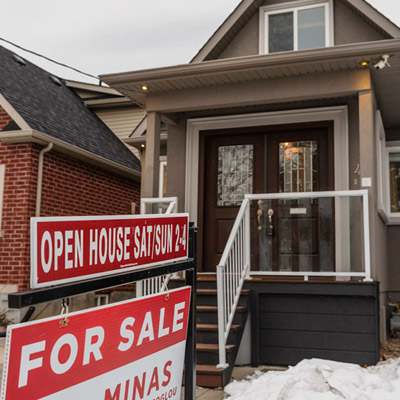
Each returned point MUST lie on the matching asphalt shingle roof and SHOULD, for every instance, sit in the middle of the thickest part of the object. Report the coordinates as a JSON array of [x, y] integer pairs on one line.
[[57, 111]]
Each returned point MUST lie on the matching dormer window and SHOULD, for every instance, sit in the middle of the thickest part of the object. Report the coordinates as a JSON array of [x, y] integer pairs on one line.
[[299, 25]]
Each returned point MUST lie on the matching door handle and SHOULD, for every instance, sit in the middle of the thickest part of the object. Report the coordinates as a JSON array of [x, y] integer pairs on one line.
[[259, 215], [270, 231]]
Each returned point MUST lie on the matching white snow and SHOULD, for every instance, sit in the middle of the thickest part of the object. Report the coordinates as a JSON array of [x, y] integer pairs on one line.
[[317, 379]]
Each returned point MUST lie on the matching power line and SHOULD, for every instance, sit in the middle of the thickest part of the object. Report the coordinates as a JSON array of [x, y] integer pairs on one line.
[[49, 59]]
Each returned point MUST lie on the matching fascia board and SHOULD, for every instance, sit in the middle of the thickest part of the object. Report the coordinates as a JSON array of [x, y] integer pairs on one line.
[[32, 136], [13, 113], [258, 61], [91, 88]]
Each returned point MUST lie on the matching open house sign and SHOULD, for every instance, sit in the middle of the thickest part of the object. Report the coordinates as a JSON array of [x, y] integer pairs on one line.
[[68, 249]]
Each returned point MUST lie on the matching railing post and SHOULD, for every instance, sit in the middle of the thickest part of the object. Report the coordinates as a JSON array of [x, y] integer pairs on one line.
[[221, 319], [247, 250], [367, 250]]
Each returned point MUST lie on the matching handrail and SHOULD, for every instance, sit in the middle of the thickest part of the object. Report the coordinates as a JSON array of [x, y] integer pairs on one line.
[[234, 265], [231, 273], [157, 284]]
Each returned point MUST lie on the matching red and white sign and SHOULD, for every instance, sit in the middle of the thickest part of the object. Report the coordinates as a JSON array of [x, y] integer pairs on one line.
[[67, 249], [131, 350]]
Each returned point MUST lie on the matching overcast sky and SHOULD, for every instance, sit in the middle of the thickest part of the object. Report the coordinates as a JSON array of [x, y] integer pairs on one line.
[[104, 36]]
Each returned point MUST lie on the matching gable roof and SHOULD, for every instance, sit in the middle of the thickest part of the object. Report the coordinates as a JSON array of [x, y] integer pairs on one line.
[[47, 105], [247, 8]]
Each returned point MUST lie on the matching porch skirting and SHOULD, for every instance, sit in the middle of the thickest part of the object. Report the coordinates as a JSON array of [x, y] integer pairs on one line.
[[292, 321]]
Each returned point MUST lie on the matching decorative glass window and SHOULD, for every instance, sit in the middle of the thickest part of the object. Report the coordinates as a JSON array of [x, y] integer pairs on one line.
[[2, 173], [285, 28], [297, 166], [235, 174]]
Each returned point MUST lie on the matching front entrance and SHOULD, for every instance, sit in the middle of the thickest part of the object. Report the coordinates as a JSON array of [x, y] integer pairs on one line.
[[285, 235]]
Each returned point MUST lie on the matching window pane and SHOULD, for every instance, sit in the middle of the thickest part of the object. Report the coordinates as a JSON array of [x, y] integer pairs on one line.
[[235, 174], [280, 32], [311, 28], [298, 166], [394, 171]]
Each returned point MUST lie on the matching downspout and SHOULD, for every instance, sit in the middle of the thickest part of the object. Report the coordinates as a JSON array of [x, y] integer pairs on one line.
[[40, 178]]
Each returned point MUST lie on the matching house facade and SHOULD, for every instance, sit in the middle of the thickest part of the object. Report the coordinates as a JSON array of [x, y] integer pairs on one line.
[[286, 100], [57, 158]]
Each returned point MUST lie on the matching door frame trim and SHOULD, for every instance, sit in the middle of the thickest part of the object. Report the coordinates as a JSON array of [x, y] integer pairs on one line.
[[337, 114]]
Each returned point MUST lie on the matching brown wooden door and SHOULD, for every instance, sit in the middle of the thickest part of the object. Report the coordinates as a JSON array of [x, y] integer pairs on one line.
[[237, 162], [298, 235], [233, 166]]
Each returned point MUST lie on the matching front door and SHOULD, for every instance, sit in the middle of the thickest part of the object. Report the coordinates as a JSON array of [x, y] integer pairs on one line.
[[285, 235]]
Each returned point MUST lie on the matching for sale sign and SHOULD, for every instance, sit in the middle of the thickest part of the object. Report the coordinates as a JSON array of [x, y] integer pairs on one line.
[[66, 249], [131, 350]]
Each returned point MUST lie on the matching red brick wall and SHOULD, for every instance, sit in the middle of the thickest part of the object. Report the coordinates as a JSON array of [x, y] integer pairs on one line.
[[4, 118], [70, 187], [18, 205]]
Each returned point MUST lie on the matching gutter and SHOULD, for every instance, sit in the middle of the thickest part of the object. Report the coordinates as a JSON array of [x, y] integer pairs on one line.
[[32, 136], [40, 178]]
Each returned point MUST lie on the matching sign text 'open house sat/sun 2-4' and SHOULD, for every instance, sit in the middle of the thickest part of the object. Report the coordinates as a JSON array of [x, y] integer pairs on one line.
[[67, 249]]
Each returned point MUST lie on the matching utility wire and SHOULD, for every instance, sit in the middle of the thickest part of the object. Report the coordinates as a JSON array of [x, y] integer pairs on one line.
[[49, 59]]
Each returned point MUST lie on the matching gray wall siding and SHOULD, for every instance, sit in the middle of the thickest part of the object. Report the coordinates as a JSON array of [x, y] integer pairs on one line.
[[351, 28], [338, 321]]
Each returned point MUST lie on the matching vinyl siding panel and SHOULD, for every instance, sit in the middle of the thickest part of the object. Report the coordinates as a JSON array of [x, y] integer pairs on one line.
[[122, 121]]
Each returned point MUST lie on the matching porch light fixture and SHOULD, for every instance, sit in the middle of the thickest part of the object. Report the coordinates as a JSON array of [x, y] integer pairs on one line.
[[145, 88], [142, 145], [364, 63]]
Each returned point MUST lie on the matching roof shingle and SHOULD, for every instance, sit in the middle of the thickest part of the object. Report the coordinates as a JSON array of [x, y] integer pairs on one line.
[[57, 111]]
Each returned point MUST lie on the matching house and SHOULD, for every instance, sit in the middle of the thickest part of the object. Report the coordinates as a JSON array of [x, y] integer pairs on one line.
[[57, 158], [283, 145]]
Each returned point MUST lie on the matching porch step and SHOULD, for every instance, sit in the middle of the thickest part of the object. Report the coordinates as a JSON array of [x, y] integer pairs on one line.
[[208, 314], [211, 376], [207, 353], [208, 333]]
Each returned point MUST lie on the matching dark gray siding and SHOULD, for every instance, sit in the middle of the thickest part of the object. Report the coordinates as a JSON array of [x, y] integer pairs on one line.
[[293, 321]]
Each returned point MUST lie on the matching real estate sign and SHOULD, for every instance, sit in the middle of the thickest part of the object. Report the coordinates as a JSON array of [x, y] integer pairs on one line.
[[129, 350], [67, 249]]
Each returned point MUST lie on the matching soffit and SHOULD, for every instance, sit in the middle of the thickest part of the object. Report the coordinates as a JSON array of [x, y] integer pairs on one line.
[[261, 67]]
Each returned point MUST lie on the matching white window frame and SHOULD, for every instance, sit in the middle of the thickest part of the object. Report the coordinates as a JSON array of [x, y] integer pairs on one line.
[[99, 297], [2, 176], [294, 7], [393, 218]]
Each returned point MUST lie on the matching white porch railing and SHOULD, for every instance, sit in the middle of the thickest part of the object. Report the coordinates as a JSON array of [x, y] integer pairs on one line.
[[234, 266], [159, 283], [231, 272]]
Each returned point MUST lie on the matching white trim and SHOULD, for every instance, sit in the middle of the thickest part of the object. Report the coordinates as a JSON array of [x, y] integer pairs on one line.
[[382, 166], [338, 115], [163, 164], [294, 7], [2, 175], [14, 115]]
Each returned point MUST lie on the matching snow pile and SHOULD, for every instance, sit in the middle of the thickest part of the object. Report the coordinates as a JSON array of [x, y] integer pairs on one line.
[[322, 380]]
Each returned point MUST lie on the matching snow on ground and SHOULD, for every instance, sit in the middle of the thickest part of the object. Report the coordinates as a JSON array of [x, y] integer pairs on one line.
[[317, 379]]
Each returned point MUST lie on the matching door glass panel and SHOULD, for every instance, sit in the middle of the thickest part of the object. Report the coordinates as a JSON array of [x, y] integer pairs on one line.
[[311, 28], [235, 174], [297, 166], [280, 32]]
